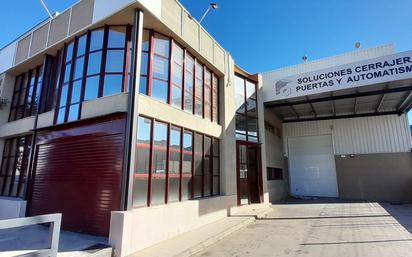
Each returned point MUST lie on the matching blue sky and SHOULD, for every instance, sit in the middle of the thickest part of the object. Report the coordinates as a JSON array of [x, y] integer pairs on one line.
[[266, 34]]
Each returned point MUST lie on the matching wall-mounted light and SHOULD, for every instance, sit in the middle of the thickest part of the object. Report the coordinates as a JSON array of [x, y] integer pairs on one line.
[[211, 6]]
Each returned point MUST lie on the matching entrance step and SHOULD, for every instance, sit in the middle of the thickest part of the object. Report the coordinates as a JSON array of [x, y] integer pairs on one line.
[[198, 239]]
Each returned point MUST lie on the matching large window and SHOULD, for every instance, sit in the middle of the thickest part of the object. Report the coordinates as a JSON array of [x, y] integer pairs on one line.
[[94, 65], [170, 74], [246, 110], [173, 164], [26, 94], [13, 172]]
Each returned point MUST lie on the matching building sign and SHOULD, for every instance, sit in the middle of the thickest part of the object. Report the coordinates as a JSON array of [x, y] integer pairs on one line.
[[372, 71]]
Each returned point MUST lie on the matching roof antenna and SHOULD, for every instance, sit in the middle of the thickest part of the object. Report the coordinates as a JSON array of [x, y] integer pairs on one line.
[[47, 9]]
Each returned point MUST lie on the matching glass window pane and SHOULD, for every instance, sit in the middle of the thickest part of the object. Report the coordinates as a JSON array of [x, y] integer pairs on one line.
[[67, 73], [81, 45], [140, 189], [69, 52], [160, 141], [187, 152], [63, 97], [146, 40], [176, 96], [215, 97], [96, 40], [173, 188], [158, 190], [160, 68], [251, 108], [177, 54], [241, 124], [186, 187], [240, 94], [143, 145], [112, 84], [140, 185], [161, 45], [76, 91], [92, 88], [174, 162], [252, 127], [160, 90], [95, 59], [114, 61], [144, 64], [143, 85], [250, 90], [216, 186], [73, 112], [60, 116], [117, 37], [177, 77], [78, 71]]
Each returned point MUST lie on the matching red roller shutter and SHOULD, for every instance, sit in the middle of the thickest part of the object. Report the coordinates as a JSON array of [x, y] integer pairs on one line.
[[78, 174]]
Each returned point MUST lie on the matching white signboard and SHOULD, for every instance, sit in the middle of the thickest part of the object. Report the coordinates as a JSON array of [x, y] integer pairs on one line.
[[372, 71]]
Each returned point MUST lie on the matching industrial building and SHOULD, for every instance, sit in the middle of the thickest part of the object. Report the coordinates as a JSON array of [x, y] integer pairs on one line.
[[132, 121]]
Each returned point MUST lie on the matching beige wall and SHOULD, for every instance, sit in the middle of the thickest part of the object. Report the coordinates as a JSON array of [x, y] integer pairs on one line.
[[375, 177], [278, 189], [6, 92], [156, 109], [131, 231], [377, 134], [227, 119]]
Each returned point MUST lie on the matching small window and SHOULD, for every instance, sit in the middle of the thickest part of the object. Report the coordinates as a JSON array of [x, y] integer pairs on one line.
[[274, 173]]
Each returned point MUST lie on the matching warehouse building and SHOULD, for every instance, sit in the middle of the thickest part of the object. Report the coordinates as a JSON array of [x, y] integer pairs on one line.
[[132, 121]]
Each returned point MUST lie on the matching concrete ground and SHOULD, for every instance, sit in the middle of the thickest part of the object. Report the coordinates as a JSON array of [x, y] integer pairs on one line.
[[323, 229], [22, 240]]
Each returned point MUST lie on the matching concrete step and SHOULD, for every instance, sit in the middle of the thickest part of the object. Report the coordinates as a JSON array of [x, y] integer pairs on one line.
[[198, 239]]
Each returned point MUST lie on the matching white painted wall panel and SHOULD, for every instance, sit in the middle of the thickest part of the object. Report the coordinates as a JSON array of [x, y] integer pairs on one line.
[[7, 57], [379, 134]]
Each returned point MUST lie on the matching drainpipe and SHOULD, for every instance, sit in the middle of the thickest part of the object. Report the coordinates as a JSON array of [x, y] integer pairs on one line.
[[45, 84], [132, 114]]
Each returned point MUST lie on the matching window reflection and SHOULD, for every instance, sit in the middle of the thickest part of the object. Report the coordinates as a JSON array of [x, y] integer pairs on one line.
[[101, 79], [246, 113]]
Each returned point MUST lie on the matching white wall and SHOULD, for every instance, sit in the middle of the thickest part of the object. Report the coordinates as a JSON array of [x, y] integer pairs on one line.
[[277, 189], [7, 57], [134, 230], [378, 134]]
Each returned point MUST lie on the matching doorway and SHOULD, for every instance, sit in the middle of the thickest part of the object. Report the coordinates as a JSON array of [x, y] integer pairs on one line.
[[249, 173], [312, 166]]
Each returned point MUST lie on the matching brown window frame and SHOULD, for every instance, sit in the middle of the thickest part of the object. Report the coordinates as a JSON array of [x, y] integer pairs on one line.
[[274, 173], [15, 159], [212, 156], [101, 74], [214, 117], [245, 114], [28, 107]]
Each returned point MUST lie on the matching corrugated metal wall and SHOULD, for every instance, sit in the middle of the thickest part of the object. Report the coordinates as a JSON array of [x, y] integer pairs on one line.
[[379, 134]]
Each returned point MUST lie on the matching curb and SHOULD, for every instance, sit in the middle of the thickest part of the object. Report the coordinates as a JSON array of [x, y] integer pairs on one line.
[[215, 238]]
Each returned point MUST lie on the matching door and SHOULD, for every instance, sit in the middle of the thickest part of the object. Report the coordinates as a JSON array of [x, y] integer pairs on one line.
[[249, 175], [78, 174], [312, 166]]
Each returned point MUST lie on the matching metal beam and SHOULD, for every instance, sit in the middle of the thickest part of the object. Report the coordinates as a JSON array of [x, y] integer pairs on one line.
[[339, 97], [341, 116], [132, 112], [312, 108], [355, 106], [401, 107], [382, 98], [294, 111]]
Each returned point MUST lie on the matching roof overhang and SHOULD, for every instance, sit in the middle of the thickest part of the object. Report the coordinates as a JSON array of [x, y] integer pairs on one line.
[[378, 86]]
